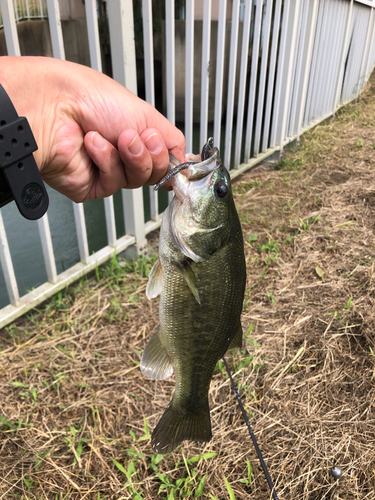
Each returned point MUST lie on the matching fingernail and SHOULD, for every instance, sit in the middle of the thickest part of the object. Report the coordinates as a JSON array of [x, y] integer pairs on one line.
[[98, 141], [136, 146], [154, 144]]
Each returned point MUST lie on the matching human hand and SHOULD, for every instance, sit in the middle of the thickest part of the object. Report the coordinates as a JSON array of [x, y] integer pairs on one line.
[[94, 136]]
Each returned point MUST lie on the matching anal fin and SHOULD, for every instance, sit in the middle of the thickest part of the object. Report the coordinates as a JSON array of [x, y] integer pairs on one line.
[[237, 339], [155, 361]]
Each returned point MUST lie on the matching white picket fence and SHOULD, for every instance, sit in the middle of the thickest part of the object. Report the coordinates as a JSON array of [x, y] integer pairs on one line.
[[292, 64], [26, 10]]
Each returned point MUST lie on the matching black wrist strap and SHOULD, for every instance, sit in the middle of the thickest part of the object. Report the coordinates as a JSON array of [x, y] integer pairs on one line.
[[20, 179]]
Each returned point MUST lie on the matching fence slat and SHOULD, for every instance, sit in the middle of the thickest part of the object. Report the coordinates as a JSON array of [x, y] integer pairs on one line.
[[79, 217], [231, 83], [170, 48], [205, 77], [271, 75], [371, 45], [49, 257], [54, 22], [189, 74], [253, 78], [132, 200], [7, 266], [109, 210], [298, 70], [292, 50], [340, 75], [121, 29], [313, 73], [220, 59], [148, 51], [362, 74], [262, 80], [10, 29], [242, 84], [121, 33], [93, 34], [307, 66], [96, 63]]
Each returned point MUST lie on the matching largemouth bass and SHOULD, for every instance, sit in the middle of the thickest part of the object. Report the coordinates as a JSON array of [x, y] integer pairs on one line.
[[200, 275]]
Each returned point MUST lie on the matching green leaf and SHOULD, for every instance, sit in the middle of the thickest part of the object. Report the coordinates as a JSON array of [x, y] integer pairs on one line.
[[229, 488], [34, 394], [147, 432], [171, 495], [199, 491], [19, 384], [252, 237], [212, 497], [119, 466], [249, 472], [320, 273], [205, 456], [28, 483], [39, 459]]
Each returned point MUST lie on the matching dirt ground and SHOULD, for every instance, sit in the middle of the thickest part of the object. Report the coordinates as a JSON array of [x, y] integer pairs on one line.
[[76, 412]]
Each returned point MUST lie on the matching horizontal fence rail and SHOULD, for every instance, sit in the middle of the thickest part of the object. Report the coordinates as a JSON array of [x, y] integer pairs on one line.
[[255, 74]]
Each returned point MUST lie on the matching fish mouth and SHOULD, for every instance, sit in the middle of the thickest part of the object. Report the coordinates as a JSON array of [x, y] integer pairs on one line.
[[210, 161]]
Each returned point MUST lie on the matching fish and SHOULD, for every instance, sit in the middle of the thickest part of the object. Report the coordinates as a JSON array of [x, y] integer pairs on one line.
[[200, 275]]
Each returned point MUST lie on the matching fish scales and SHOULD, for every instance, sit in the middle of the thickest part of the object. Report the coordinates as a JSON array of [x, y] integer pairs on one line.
[[200, 275]]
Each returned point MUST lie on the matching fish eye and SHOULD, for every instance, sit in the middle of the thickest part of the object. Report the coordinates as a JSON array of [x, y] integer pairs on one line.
[[221, 190]]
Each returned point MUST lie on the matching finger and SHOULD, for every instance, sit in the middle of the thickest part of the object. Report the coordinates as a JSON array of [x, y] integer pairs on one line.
[[111, 173], [158, 152], [138, 160]]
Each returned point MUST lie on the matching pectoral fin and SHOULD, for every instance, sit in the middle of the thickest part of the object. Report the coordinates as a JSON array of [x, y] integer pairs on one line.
[[155, 361], [189, 277], [237, 340], [155, 281]]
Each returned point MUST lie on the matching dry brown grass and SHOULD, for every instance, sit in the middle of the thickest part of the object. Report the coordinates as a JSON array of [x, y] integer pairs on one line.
[[73, 398]]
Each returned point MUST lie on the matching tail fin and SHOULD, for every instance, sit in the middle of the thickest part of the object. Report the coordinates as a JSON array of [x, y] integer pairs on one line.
[[178, 424]]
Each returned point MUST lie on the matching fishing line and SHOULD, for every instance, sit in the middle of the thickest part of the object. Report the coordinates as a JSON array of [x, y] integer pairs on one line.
[[252, 435]]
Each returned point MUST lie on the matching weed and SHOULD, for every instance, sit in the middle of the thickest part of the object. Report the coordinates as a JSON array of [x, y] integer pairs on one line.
[[271, 297], [249, 479], [359, 144], [252, 237], [272, 251], [229, 489]]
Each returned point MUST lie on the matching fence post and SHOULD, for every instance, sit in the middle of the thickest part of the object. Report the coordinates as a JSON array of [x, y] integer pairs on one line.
[[121, 31], [10, 29], [7, 265], [54, 22]]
